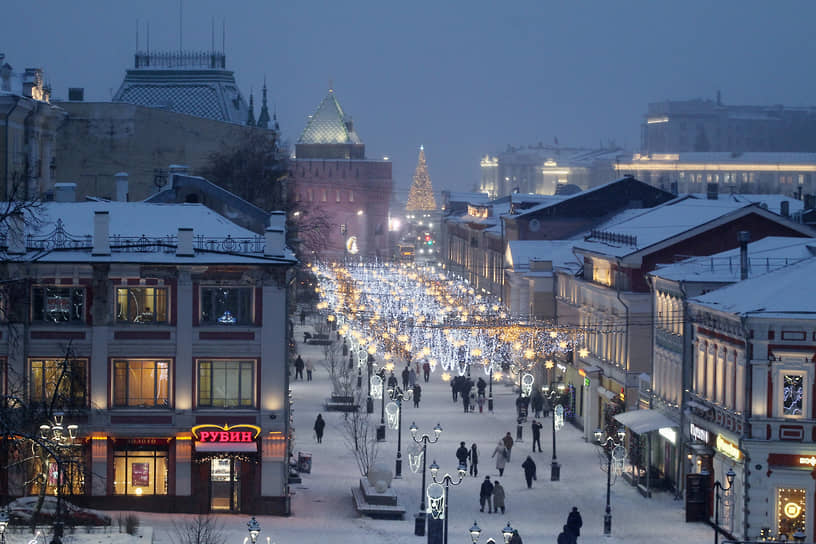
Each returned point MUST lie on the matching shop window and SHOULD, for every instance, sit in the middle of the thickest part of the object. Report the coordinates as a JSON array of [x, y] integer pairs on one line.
[[45, 470], [793, 395], [791, 505], [141, 305], [226, 384], [140, 470], [141, 383], [226, 305], [65, 378], [58, 304]]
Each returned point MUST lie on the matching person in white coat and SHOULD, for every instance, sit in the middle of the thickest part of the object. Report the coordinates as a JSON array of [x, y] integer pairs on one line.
[[501, 454]]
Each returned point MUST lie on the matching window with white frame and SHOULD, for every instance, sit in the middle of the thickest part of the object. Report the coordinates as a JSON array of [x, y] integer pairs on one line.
[[793, 394], [141, 383], [226, 384], [57, 304], [142, 304]]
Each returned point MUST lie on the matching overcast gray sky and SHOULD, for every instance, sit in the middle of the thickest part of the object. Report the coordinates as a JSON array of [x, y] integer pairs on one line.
[[464, 78]]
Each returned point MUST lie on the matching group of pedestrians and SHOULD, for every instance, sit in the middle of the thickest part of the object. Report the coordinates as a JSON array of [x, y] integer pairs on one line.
[[572, 530], [463, 386], [492, 494], [300, 365]]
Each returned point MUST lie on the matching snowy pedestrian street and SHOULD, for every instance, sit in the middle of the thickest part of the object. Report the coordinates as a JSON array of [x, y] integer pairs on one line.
[[322, 506]]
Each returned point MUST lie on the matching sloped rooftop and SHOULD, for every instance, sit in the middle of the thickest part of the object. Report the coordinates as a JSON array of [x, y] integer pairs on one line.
[[329, 125]]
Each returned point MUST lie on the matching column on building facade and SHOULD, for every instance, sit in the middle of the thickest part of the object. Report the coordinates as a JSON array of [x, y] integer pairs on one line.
[[591, 405], [274, 389], [184, 372], [524, 298]]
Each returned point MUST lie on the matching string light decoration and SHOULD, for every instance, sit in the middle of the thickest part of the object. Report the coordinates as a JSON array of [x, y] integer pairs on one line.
[[423, 314], [421, 197]]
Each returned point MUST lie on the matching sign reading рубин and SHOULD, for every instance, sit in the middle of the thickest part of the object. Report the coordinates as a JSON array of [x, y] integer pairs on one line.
[[226, 438]]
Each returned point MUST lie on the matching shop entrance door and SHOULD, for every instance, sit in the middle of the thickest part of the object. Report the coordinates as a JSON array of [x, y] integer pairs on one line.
[[225, 486]]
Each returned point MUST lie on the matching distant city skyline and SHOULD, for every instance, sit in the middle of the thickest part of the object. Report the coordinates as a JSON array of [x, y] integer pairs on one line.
[[462, 79]]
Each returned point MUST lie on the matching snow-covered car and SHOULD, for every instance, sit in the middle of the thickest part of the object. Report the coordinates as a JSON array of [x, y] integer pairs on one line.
[[22, 510]]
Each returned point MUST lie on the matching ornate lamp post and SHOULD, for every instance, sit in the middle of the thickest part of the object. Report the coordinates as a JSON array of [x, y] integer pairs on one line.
[[55, 436], [254, 529], [550, 395], [718, 486], [448, 481], [4, 520], [419, 527], [398, 395], [608, 442], [475, 532], [490, 390]]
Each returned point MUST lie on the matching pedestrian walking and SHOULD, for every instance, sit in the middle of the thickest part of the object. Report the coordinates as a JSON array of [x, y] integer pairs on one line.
[[481, 385], [546, 407], [319, 425], [299, 367], [392, 381], [537, 401], [302, 318], [417, 395], [501, 455], [574, 523], [486, 495], [536, 435], [465, 402], [472, 402], [462, 454], [309, 369], [516, 538], [474, 460], [508, 443], [454, 384], [411, 377], [480, 401], [426, 371], [405, 374], [529, 467], [498, 497], [565, 537]]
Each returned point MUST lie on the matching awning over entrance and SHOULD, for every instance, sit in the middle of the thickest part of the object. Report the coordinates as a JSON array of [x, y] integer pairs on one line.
[[643, 421]]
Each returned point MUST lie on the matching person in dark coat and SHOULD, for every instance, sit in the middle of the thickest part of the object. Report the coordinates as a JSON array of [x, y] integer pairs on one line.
[[498, 497], [392, 381], [319, 425], [299, 367], [454, 383], [474, 460], [466, 402], [508, 443], [565, 537], [462, 454], [481, 385], [426, 371], [537, 401], [516, 538], [417, 395], [529, 467], [536, 434], [405, 375], [574, 523], [486, 495]]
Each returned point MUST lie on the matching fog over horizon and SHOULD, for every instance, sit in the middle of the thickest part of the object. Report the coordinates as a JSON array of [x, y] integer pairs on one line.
[[464, 79]]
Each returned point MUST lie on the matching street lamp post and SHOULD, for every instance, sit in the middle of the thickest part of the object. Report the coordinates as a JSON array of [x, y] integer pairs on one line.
[[475, 532], [729, 476], [419, 527], [550, 395], [54, 433], [369, 400], [398, 395], [609, 441], [490, 391], [447, 480]]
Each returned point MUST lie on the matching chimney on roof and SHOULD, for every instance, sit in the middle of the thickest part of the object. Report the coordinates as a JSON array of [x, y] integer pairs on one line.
[[16, 234], [784, 208], [712, 191], [101, 242], [65, 192], [674, 188], [743, 237], [76, 94], [185, 243], [121, 186], [275, 235]]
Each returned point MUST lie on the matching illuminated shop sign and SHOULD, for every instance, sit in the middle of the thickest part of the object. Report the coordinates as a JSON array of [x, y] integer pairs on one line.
[[226, 438], [808, 461], [728, 448], [698, 432]]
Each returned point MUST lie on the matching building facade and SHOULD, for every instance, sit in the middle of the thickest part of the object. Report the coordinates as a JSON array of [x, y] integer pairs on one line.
[[161, 330], [331, 178]]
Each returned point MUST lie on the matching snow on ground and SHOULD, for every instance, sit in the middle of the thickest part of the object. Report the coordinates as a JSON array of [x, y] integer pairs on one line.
[[322, 508]]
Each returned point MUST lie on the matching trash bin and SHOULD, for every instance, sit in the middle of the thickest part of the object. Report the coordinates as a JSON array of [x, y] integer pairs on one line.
[[304, 462]]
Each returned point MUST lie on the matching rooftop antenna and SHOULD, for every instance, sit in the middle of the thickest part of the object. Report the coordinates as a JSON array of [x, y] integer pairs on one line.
[[181, 13]]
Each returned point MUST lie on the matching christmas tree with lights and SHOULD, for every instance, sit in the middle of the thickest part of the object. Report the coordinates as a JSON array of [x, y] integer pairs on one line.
[[421, 197]]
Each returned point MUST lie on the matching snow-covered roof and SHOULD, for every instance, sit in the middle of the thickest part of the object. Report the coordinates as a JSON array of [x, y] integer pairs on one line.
[[724, 157], [521, 252], [765, 255], [771, 202], [783, 293], [144, 233], [659, 224]]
